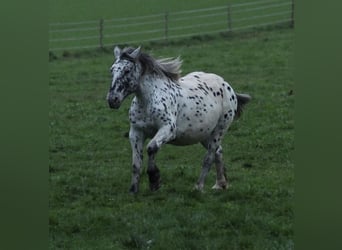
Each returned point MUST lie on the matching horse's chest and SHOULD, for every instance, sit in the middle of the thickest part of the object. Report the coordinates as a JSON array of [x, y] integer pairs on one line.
[[148, 119], [141, 119]]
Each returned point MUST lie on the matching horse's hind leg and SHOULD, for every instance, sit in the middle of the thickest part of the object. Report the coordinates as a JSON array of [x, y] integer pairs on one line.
[[207, 162], [214, 154], [221, 179], [213, 145]]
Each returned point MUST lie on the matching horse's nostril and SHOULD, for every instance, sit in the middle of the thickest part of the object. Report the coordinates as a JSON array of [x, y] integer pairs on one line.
[[114, 102]]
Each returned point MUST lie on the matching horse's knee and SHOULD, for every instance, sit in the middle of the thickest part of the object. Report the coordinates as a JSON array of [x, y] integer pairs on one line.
[[218, 155], [152, 148]]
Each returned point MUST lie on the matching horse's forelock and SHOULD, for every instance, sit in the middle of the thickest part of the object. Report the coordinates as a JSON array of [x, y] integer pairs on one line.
[[126, 52]]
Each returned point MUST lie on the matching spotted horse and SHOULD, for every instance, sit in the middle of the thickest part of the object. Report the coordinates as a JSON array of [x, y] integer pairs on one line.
[[196, 108]]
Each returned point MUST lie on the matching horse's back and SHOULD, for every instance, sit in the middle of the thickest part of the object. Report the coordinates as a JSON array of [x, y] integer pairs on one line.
[[214, 88], [200, 77]]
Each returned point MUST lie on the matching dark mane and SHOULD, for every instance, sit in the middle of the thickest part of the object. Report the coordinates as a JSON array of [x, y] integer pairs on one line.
[[168, 67]]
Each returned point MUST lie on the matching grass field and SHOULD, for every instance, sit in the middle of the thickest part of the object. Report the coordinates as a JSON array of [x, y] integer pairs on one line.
[[90, 161]]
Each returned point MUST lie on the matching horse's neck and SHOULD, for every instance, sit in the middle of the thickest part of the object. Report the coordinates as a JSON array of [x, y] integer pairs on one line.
[[149, 87]]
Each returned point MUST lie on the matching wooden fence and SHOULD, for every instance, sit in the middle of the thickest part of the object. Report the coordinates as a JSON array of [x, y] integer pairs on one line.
[[170, 25]]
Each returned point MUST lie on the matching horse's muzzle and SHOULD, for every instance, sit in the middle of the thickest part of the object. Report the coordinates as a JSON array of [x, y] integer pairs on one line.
[[114, 102]]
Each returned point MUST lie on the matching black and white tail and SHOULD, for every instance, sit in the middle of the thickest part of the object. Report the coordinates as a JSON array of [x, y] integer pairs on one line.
[[242, 100]]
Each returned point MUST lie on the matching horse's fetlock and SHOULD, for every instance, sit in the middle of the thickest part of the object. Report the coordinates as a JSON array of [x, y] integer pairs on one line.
[[153, 174], [154, 178]]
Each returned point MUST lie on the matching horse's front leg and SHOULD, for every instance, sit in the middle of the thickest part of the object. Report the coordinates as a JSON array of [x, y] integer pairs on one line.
[[137, 139], [164, 135]]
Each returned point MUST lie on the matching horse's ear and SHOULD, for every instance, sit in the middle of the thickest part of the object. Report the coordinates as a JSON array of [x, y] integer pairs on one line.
[[135, 53], [117, 52]]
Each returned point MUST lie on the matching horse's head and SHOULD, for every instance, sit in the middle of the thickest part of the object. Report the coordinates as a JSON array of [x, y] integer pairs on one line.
[[126, 72]]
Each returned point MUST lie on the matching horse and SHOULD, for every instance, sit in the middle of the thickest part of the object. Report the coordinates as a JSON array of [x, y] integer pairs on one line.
[[167, 108]]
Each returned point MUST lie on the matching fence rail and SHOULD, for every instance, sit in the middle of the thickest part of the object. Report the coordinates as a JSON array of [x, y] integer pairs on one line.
[[169, 25]]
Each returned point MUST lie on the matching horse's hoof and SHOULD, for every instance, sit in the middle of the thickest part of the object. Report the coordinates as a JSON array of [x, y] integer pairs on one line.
[[199, 188], [220, 186], [133, 189], [155, 186], [217, 187]]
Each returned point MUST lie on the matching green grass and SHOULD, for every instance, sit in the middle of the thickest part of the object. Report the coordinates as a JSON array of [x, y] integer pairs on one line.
[[90, 157]]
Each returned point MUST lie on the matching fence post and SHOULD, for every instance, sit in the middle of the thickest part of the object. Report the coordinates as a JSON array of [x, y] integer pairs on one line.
[[101, 33], [166, 26], [292, 14], [229, 19]]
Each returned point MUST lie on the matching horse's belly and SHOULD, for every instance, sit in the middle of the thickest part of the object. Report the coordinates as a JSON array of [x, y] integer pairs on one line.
[[196, 121], [187, 140], [192, 132]]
